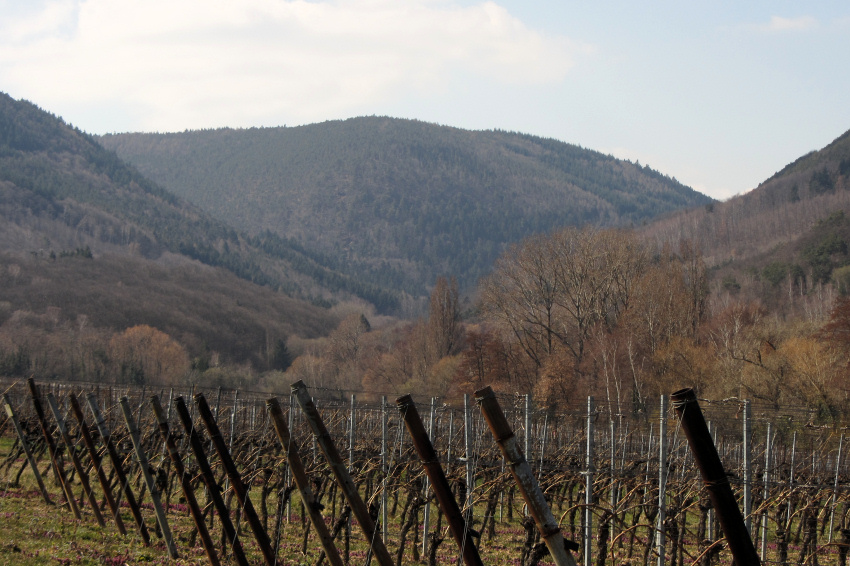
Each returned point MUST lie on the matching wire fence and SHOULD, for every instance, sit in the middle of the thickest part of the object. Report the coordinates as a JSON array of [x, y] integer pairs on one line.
[[623, 487]]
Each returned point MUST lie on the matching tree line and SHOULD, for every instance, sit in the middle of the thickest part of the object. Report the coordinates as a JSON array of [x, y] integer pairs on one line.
[[580, 311], [601, 312]]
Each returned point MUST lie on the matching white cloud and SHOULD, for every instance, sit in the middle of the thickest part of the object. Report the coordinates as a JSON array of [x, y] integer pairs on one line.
[[198, 63], [53, 18], [780, 24]]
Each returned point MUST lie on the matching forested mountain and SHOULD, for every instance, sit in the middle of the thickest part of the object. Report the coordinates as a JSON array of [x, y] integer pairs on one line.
[[399, 202], [90, 248], [60, 189], [792, 232]]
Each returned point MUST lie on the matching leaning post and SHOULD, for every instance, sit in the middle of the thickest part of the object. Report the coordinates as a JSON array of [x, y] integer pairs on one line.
[[185, 481], [290, 447], [260, 534], [713, 475], [142, 459], [442, 490], [525, 480], [340, 473]]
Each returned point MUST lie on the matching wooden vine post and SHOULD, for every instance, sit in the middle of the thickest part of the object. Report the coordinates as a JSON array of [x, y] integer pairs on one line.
[[340, 472], [209, 481], [716, 482], [185, 481], [78, 466], [58, 468], [25, 446], [238, 486], [439, 483], [115, 459], [525, 480], [303, 482], [97, 463], [142, 459]]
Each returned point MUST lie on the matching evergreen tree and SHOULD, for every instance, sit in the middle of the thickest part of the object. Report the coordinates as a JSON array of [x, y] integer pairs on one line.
[[281, 358]]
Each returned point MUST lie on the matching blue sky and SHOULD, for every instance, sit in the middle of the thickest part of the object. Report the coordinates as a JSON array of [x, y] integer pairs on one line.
[[719, 95]]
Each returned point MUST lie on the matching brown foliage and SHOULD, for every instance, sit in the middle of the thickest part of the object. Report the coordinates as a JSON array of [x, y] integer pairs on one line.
[[444, 330], [589, 308], [143, 354]]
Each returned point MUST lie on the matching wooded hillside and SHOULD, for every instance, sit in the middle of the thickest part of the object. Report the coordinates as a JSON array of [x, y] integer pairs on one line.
[[60, 190], [399, 202], [91, 249], [788, 235]]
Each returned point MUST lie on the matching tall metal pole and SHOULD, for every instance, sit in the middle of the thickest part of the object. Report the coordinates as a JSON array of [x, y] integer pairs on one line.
[[588, 488], [351, 433], [527, 435], [791, 476], [350, 468], [612, 496], [765, 490], [715, 479], [709, 531], [384, 467], [291, 425], [467, 447], [748, 468], [426, 519], [835, 486], [660, 534]]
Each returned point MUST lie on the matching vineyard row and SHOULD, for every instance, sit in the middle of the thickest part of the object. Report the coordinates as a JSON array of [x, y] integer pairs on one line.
[[621, 489]]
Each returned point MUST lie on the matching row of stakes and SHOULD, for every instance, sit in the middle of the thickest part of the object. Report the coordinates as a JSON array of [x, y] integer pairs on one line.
[[684, 403]]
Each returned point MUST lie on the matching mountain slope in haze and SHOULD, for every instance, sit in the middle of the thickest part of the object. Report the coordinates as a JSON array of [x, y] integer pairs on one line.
[[70, 296], [90, 248], [791, 232], [777, 212], [399, 202], [61, 189]]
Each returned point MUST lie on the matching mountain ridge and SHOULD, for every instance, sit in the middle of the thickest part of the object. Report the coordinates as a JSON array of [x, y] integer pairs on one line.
[[791, 232], [56, 175], [398, 201]]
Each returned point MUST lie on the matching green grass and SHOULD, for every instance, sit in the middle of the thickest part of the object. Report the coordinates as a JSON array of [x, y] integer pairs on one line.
[[33, 532]]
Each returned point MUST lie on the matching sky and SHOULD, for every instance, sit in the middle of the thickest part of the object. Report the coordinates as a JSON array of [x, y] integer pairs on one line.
[[719, 94]]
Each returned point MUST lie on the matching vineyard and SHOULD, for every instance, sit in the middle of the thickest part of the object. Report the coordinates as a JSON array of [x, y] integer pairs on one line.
[[200, 476]]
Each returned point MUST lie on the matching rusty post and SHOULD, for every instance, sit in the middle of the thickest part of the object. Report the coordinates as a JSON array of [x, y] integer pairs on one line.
[[58, 468], [340, 472], [115, 459], [25, 445], [81, 473], [97, 463], [290, 447], [185, 482], [209, 481], [524, 478], [715, 479], [439, 483], [260, 534]]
